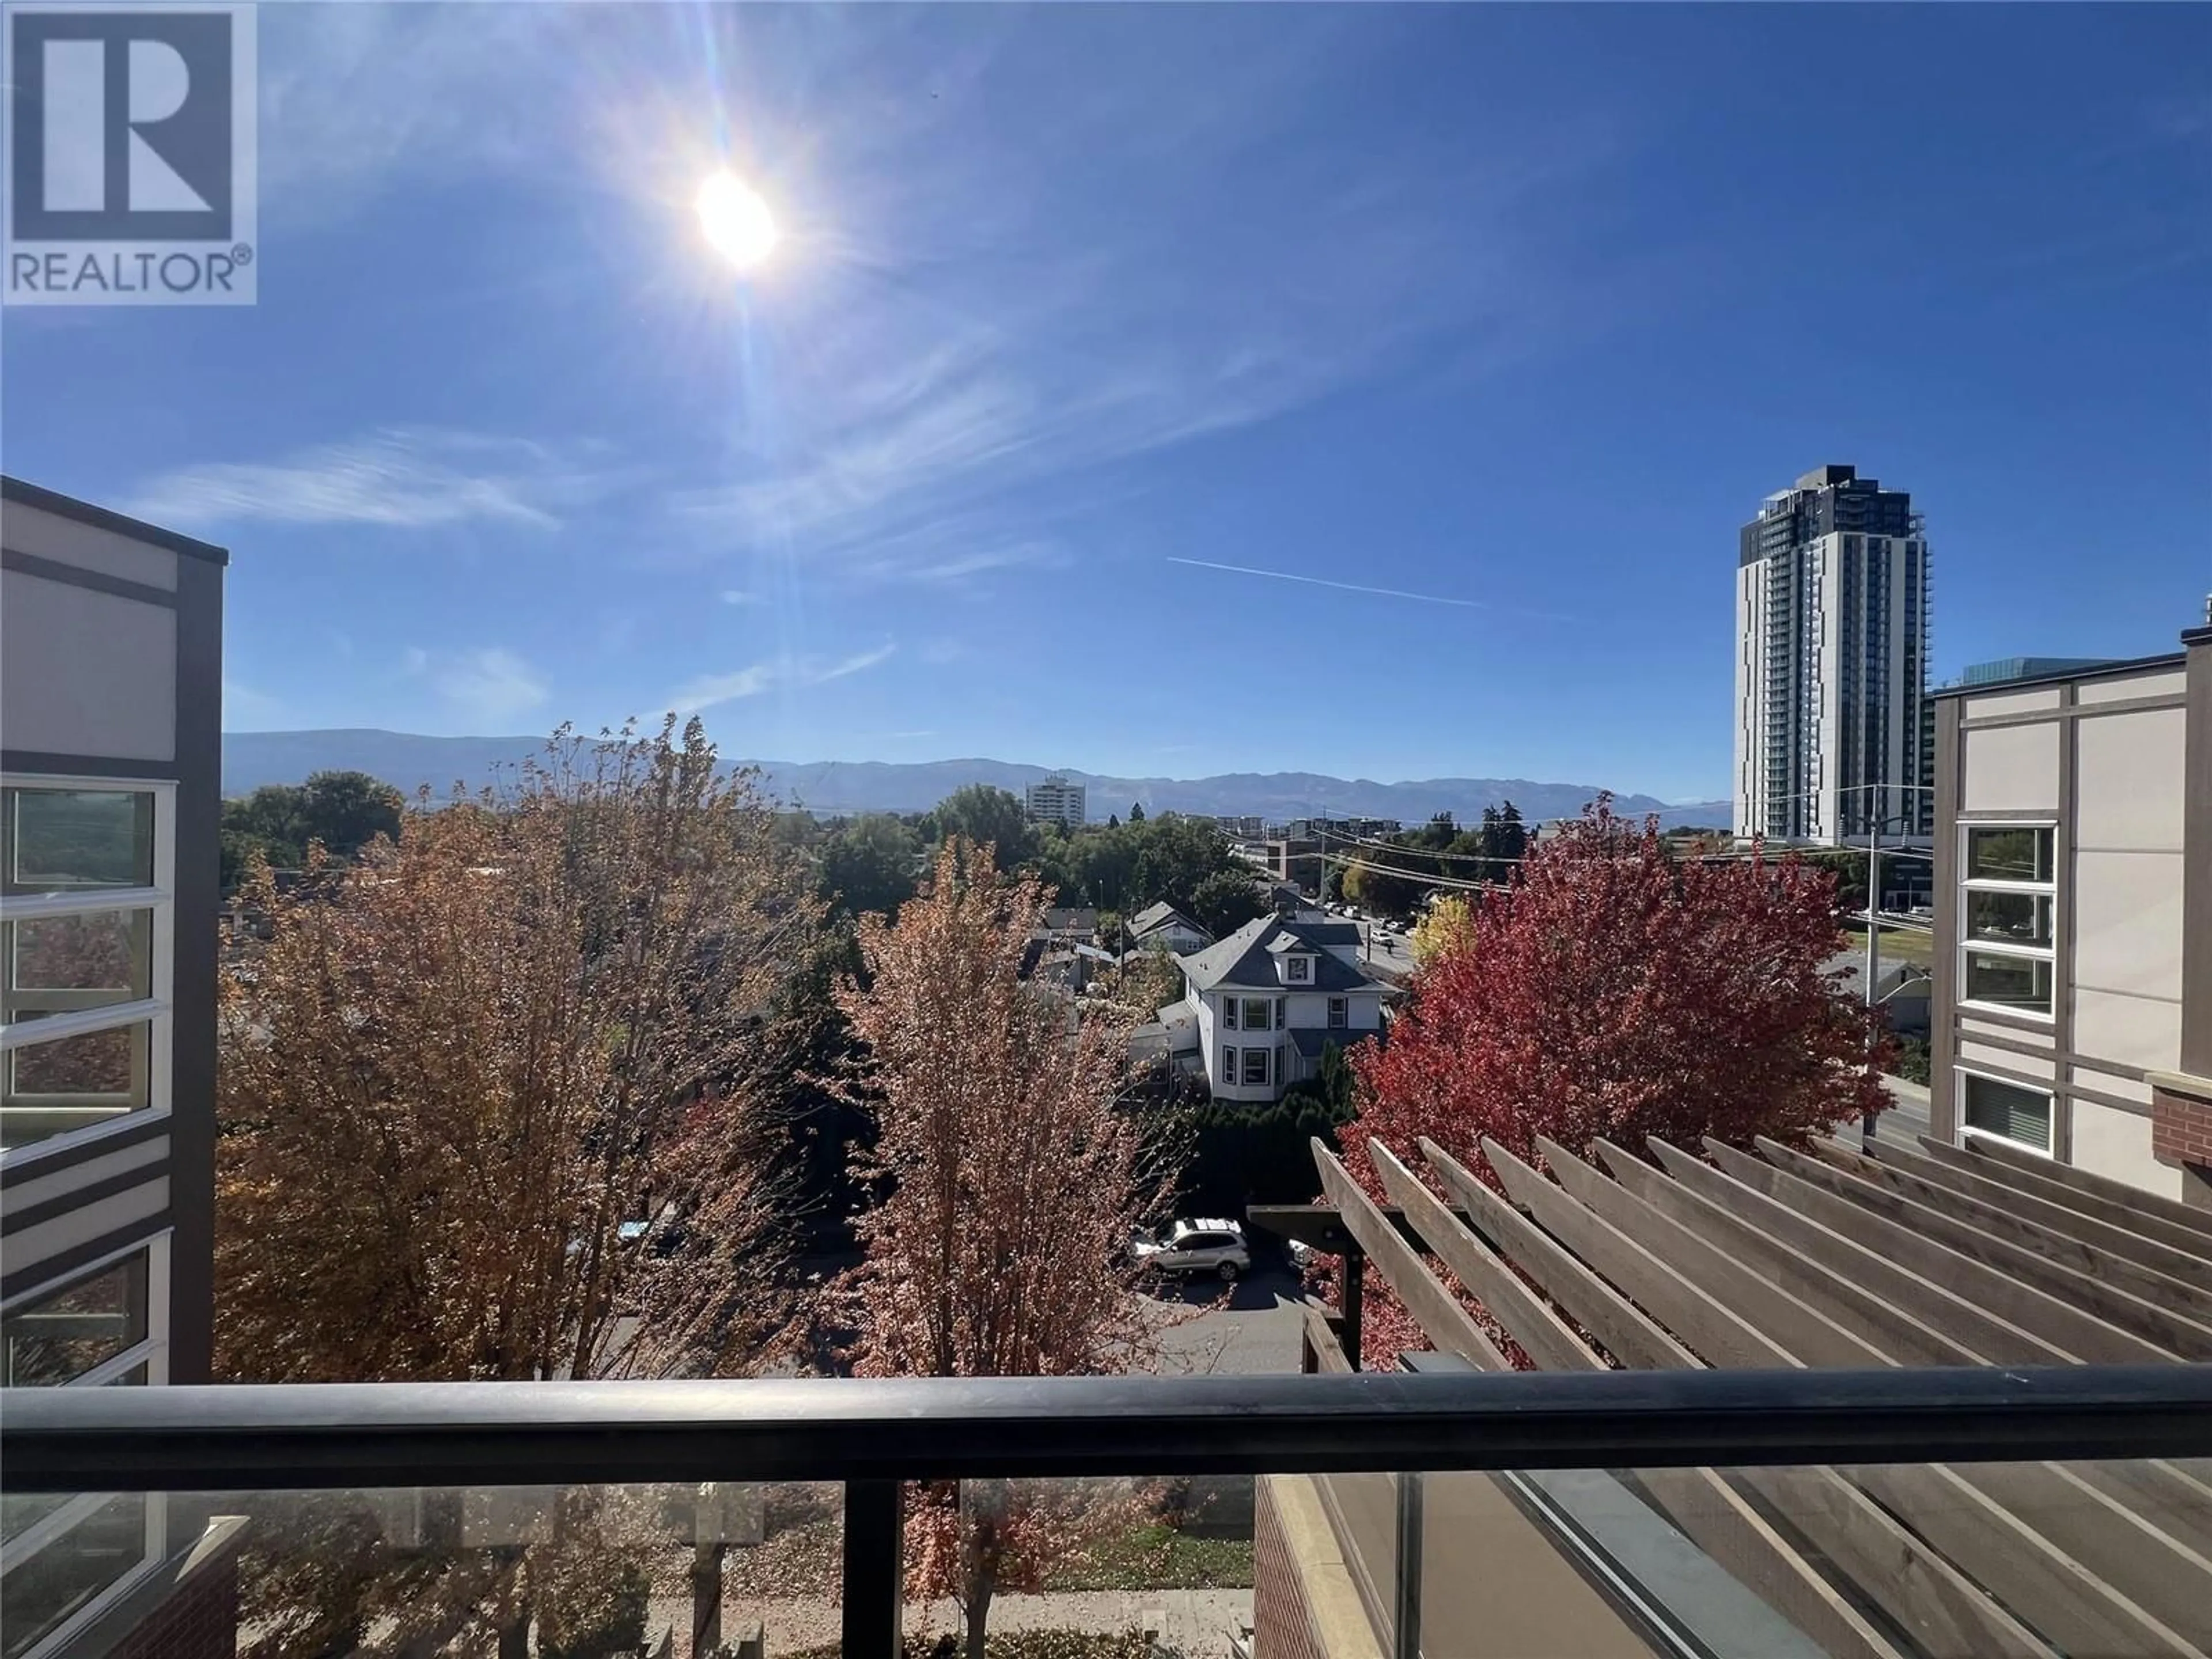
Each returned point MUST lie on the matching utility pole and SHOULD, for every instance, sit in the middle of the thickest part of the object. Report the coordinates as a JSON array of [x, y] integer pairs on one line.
[[1873, 950]]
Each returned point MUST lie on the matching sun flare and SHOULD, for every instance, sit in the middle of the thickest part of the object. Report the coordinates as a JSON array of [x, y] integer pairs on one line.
[[737, 220]]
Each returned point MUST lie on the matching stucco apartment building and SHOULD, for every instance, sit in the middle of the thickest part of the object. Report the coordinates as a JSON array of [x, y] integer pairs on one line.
[[110, 647], [2073, 982]]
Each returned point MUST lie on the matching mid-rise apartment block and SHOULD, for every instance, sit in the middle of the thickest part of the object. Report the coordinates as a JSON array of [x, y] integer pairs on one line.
[[2073, 970], [1056, 800], [1832, 616], [110, 647]]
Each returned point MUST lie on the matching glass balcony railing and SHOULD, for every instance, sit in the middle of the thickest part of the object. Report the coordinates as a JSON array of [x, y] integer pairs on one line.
[[1898, 1513]]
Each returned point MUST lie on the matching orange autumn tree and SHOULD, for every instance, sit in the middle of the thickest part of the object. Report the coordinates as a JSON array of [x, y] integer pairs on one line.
[[1011, 1182], [504, 1100], [1615, 991]]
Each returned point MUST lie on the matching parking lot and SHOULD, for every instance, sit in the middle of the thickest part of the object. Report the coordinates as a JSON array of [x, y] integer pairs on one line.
[[1243, 1328]]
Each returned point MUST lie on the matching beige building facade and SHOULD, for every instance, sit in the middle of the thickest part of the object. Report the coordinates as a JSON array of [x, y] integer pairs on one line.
[[2072, 973]]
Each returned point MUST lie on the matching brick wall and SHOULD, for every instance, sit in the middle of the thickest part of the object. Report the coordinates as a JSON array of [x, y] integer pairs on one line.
[[1282, 1623], [2180, 1129], [197, 1619]]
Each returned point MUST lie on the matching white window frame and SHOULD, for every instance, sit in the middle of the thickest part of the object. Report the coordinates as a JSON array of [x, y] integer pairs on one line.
[[1266, 1006], [153, 1352], [1339, 1013], [1228, 1069], [2047, 954], [2049, 1150], [1228, 1013], [155, 1011], [1298, 970]]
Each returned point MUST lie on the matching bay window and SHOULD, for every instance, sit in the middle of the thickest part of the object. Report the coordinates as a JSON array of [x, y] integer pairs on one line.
[[2008, 900], [64, 1554], [1255, 1067], [86, 919]]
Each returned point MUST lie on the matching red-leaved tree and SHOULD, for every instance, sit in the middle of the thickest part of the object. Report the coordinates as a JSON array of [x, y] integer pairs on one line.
[[1011, 1182], [1616, 990]]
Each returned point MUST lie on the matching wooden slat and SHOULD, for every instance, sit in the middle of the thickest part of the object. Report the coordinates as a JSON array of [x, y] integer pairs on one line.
[[2178, 1492], [1805, 1331], [1700, 1502], [1433, 1308], [2134, 1199], [2082, 1334], [1547, 1339], [1974, 1517], [2172, 1498], [1945, 1614], [2160, 1310], [1719, 1334], [1635, 1339], [1841, 1236], [1320, 1338], [2089, 1519], [2143, 1239], [1850, 1304]]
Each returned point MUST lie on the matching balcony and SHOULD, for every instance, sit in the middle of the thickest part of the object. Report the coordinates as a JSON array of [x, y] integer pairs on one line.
[[1887, 1402]]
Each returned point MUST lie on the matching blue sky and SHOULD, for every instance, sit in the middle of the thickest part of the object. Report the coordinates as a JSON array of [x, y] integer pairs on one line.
[[1519, 308]]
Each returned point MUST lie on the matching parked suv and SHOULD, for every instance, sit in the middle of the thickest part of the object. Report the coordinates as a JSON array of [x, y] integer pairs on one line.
[[1195, 1246]]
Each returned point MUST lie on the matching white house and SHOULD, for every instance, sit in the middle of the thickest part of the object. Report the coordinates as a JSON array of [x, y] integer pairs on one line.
[[1163, 927], [1263, 1005]]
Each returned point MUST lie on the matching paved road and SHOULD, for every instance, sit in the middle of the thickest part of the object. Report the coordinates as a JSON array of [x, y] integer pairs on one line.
[[1908, 1118], [1387, 949], [1254, 1327]]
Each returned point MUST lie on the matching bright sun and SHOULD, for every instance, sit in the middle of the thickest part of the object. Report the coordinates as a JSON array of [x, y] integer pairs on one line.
[[737, 220]]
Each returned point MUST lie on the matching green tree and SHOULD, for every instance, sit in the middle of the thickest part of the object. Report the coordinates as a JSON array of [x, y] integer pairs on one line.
[[1113, 820], [1226, 901], [343, 810], [1504, 840], [1136, 811], [346, 810], [869, 864], [989, 817]]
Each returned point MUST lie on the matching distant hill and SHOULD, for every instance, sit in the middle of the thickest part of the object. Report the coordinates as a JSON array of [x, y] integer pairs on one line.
[[253, 758]]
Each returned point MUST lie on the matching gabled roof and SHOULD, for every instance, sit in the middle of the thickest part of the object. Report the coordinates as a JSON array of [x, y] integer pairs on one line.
[[1157, 915], [1244, 959]]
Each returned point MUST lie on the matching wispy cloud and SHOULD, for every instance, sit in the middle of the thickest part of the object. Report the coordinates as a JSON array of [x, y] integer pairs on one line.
[[739, 596], [1364, 587], [963, 363], [487, 686], [778, 672], [405, 478]]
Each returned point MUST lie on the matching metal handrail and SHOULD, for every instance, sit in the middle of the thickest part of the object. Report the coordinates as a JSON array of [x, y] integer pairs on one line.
[[450, 1434]]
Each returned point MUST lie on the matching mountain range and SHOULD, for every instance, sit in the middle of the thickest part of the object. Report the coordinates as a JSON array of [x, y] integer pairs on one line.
[[408, 762]]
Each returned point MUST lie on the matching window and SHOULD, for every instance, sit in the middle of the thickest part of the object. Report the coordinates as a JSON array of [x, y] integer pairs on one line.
[[2008, 901], [62, 1335], [1258, 1011], [1228, 1065], [1228, 1012], [64, 1553], [1298, 969], [1256, 1066], [85, 955], [1339, 1013], [53, 1584], [1989, 1106]]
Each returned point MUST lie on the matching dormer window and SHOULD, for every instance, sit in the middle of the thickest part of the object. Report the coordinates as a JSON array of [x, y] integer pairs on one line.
[[1298, 970]]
